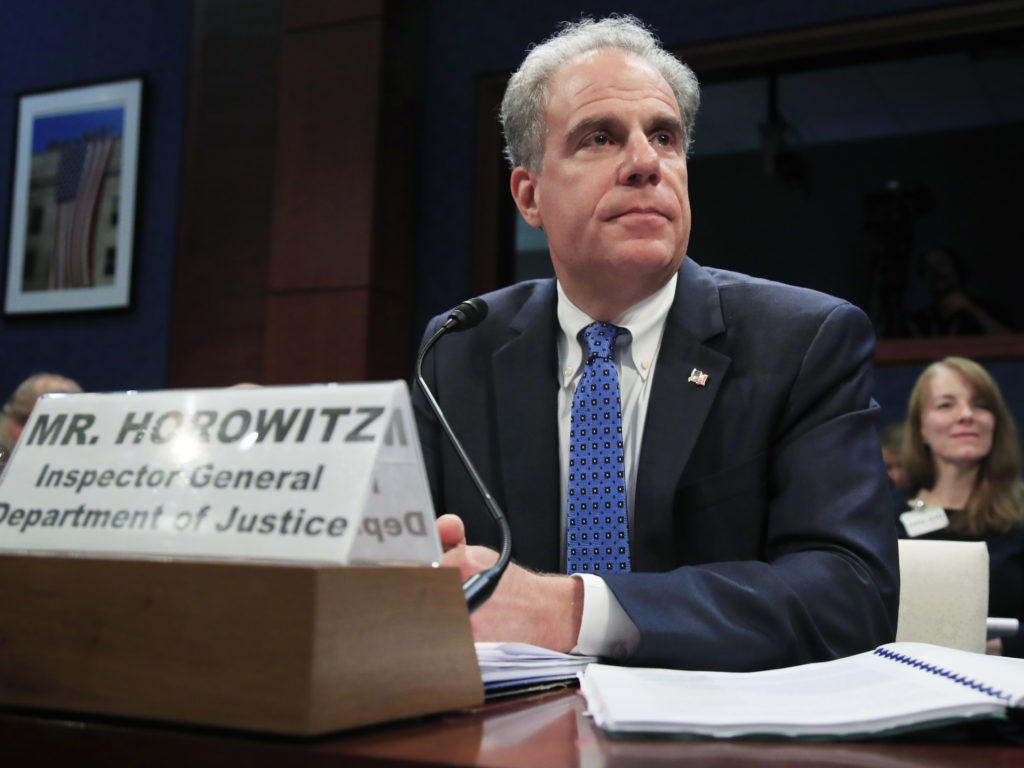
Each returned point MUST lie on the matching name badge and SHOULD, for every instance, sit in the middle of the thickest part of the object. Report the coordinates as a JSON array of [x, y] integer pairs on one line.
[[918, 522]]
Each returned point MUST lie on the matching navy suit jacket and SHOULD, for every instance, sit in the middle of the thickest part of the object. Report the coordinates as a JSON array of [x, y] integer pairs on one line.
[[762, 530]]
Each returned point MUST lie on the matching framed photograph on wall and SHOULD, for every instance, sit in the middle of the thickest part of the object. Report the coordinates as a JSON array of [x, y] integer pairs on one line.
[[73, 199]]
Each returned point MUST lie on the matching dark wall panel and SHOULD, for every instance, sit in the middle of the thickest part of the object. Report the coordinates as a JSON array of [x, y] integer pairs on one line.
[[227, 194]]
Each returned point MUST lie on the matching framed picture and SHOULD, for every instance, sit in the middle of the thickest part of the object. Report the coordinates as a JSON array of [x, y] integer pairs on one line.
[[73, 199]]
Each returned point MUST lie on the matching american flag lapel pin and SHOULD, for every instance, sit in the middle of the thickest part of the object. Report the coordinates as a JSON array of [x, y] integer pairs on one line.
[[698, 377]]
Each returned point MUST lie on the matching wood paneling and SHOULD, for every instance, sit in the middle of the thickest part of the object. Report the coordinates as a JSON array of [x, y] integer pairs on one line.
[[296, 230], [337, 335], [317, 337], [227, 194], [344, 216], [326, 158]]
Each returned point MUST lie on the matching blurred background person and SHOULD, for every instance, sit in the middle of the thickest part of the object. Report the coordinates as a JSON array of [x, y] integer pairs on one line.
[[20, 404], [962, 458], [892, 453], [954, 309]]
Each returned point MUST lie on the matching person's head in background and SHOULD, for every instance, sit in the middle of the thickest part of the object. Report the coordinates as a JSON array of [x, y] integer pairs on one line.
[[892, 453], [20, 404], [958, 424], [942, 271]]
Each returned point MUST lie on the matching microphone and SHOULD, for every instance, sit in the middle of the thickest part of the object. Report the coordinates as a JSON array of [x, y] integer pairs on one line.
[[469, 314], [479, 586]]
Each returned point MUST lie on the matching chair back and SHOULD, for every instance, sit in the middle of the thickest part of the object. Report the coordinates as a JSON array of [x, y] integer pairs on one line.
[[943, 593]]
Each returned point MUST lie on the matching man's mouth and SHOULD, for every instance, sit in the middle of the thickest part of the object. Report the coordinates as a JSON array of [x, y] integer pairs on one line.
[[639, 212]]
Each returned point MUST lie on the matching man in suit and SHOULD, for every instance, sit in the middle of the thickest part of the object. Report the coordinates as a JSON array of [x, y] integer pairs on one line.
[[756, 530]]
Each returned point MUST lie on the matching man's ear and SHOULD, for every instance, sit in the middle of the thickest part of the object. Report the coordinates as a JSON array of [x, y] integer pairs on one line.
[[524, 192]]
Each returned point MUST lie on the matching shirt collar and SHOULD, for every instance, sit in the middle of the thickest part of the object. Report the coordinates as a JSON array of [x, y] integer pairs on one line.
[[644, 321]]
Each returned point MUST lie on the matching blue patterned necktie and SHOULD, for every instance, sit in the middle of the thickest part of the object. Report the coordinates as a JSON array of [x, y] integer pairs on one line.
[[597, 538]]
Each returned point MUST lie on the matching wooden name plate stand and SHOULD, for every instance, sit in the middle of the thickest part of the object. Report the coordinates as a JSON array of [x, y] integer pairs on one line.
[[288, 649]]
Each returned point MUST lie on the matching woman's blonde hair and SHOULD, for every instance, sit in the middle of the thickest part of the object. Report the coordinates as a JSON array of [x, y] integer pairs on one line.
[[997, 501]]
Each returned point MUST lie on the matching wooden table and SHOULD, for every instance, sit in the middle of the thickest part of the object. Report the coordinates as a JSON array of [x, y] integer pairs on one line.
[[531, 731]]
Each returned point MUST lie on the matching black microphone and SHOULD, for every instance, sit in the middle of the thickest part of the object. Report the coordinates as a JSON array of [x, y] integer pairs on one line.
[[479, 586], [469, 314]]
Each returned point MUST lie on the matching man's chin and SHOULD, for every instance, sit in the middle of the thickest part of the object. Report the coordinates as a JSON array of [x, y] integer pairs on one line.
[[647, 258]]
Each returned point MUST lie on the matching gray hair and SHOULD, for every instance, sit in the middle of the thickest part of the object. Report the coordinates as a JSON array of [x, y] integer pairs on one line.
[[525, 101]]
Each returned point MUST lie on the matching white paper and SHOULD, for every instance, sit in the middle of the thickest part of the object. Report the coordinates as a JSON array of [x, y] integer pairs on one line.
[[865, 693], [522, 663]]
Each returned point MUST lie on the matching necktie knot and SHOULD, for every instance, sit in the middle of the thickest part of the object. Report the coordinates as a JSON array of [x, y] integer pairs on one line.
[[600, 340]]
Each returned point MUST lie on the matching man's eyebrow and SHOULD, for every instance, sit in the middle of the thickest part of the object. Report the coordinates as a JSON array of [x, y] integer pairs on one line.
[[666, 123], [588, 124]]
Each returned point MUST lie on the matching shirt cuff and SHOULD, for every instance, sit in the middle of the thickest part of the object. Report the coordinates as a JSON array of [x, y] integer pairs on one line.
[[606, 630]]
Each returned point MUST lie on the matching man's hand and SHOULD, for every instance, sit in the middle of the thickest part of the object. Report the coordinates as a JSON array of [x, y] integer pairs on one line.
[[526, 607]]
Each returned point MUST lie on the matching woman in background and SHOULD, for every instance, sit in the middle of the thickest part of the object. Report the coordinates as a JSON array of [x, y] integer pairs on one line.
[[962, 458]]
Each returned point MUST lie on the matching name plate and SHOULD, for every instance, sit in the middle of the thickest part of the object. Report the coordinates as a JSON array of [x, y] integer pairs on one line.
[[327, 473]]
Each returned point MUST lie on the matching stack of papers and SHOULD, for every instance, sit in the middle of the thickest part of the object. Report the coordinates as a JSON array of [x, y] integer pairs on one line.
[[514, 667]]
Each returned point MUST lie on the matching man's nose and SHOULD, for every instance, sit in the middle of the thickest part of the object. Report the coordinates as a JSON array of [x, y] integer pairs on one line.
[[641, 164]]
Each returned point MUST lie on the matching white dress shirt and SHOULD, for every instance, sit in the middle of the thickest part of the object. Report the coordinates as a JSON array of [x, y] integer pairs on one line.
[[606, 629]]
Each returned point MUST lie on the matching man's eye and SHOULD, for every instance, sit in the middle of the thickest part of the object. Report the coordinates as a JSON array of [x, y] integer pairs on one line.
[[600, 139]]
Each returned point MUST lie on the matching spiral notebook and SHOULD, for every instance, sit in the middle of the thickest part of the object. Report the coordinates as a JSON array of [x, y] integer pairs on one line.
[[897, 687]]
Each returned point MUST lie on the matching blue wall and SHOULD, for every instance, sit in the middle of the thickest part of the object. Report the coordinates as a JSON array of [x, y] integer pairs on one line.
[[47, 44]]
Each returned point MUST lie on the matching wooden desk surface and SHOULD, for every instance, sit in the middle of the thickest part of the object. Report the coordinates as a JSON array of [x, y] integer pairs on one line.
[[536, 731]]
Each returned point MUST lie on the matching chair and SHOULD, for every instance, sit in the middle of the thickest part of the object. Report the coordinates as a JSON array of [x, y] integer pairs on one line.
[[943, 593]]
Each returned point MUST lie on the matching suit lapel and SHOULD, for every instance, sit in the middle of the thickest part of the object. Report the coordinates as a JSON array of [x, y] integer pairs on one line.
[[525, 386], [676, 411]]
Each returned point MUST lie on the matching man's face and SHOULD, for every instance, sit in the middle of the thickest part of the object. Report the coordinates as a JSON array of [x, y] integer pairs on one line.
[[612, 194]]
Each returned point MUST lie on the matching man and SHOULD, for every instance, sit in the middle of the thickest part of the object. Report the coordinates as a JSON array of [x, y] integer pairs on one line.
[[21, 402], [758, 533], [891, 438]]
